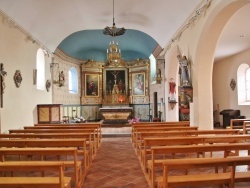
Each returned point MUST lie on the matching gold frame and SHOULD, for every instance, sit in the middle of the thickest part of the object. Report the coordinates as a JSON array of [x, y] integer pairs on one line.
[[105, 77], [137, 88], [88, 78]]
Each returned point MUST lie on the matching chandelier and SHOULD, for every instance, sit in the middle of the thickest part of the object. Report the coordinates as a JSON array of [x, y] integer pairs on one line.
[[114, 53], [113, 31]]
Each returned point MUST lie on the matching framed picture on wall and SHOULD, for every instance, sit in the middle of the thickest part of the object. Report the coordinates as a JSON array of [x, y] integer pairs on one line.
[[115, 78], [138, 84], [92, 85]]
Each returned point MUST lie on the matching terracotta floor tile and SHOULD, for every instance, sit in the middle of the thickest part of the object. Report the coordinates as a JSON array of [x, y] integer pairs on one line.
[[116, 165]]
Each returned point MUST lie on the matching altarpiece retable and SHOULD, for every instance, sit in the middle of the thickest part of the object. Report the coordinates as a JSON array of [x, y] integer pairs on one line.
[[115, 84]]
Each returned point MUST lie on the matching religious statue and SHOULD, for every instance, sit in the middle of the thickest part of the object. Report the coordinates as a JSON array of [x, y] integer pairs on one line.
[[184, 70], [172, 90], [61, 79], [109, 87], [48, 84], [120, 86]]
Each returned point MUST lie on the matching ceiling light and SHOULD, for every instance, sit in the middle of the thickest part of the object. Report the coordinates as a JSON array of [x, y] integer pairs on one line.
[[113, 31]]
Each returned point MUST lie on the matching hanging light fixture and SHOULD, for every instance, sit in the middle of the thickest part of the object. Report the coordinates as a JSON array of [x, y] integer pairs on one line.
[[113, 52], [113, 31]]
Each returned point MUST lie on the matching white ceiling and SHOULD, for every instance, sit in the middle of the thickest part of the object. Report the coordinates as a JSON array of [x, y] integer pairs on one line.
[[51, 21]]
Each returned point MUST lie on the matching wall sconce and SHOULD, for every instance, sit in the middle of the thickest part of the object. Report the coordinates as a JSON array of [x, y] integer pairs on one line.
[[172, 104]]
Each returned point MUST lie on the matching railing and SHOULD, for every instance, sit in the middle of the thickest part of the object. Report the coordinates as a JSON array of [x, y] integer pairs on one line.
[[91, 112]]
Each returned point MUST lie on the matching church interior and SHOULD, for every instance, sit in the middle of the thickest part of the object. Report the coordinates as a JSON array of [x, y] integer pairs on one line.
[[114, 86]]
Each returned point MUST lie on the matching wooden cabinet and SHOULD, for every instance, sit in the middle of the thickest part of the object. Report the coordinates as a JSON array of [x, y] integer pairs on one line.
[[49, 113]]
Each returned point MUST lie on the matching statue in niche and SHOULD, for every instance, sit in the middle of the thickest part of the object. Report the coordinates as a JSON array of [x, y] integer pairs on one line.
[[18, 78], [61, 79], [172, 90], [184, 70], [48, 84]]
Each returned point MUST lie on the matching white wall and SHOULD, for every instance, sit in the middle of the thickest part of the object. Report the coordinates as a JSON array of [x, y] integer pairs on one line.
[[19, 104], [198, 42], [223, 95], [61, 95]]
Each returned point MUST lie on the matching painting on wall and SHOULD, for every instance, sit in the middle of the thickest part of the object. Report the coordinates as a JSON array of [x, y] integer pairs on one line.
[[138, 84], [115, 79], [92, 85]]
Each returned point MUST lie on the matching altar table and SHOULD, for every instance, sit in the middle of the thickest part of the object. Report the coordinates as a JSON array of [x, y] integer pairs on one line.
[[116, 115]]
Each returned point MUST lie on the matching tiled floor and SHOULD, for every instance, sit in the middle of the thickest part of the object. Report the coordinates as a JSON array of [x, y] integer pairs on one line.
[[117, 166]]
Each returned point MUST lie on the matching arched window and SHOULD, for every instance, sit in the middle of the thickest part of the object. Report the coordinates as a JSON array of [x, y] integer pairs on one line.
[[73, 81], [248, 84], [152, 68], [243, 84], [40, 68]]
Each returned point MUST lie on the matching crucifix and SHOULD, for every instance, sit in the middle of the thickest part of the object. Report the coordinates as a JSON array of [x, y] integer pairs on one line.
[[3, 74]]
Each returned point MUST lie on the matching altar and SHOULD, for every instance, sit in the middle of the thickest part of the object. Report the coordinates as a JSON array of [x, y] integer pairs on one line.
[[116, 115]]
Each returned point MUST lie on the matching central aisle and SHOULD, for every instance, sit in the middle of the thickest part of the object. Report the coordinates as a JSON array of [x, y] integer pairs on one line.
[[115, 165]]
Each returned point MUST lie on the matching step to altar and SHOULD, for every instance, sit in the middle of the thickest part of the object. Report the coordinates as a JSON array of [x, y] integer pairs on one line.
[[124, 131]]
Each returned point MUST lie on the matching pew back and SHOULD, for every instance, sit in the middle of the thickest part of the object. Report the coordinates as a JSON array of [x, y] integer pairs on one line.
[[59, 181]]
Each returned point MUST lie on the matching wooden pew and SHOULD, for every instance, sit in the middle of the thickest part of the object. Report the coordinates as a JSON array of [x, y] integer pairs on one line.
[[97, 125], [47, 143], [134, 126], [188, 149], [182, 140], [218, 177], [40, 131], [141, 135], [243, 128], [137, 130], [59, 181], [8, 153], [166, 122], [89, 142], [94, 128], [246, 127]]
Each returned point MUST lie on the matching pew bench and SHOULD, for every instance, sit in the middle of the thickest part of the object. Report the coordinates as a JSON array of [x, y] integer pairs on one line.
[[218, 177], [87, 136], [91, 129], [134, 126], [80, 144], [95, 126], [138, 129], [58, 181], [67, 131], [190, 149], [244, 128], [67, 155], [142, 135], [182, 140]]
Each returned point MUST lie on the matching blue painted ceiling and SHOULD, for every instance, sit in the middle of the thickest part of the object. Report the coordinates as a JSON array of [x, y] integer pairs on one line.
[[93, 44]]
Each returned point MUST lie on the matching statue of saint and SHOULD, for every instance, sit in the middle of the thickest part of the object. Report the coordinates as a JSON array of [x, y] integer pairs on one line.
[[184, 70]]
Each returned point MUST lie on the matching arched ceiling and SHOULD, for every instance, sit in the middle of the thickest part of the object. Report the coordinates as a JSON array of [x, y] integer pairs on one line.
[[76, 25], [93, 44]]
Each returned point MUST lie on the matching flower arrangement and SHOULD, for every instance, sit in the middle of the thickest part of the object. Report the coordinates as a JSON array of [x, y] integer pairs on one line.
[[134, 120]]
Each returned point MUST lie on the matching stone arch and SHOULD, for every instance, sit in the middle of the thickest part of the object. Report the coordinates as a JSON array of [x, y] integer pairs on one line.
[[221, 12]]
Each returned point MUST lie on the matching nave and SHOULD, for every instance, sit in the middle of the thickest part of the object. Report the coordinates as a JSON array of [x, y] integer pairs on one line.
[[116, 165]]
